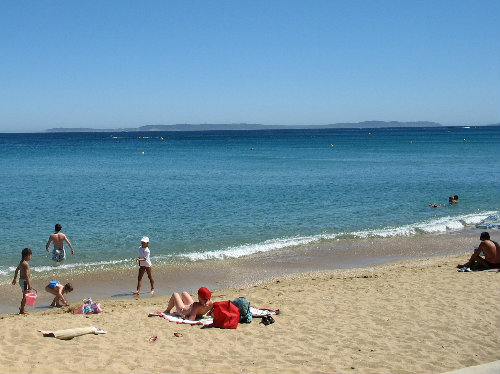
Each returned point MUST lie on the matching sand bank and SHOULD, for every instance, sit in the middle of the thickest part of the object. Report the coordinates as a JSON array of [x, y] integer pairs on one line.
[[411, 316]]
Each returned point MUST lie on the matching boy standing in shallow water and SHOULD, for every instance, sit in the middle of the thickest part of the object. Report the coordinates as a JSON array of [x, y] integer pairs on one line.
[[144, 266], [58, 238], [24, 277]]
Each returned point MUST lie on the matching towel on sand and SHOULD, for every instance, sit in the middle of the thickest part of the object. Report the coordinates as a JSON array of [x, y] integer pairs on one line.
[[206, 320], [71, 333], [466, 269]]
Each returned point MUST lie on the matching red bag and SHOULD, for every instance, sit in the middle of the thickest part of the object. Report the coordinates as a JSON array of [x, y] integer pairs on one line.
[[226, 315]]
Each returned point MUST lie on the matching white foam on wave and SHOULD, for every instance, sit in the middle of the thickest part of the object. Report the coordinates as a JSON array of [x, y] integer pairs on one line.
[[249, 249], [384, 233], [432, 226], [47, 268], [437, 225], [452, 223]]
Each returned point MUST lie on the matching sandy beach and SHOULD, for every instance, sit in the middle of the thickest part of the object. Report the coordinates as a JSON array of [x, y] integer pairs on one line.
[[410, 316]]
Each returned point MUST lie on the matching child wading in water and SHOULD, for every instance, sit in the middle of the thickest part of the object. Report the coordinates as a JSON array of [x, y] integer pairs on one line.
[[144, 265], [24, 277]]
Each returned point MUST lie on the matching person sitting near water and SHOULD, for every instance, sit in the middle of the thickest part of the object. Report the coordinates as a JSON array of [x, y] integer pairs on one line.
[[491, 252], [57, 289], [187, 308]]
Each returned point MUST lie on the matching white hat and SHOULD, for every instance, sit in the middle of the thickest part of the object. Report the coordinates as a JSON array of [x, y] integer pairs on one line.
[[145, 239]]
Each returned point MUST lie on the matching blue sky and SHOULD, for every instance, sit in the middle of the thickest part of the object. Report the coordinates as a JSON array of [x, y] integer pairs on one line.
[[110, 64]]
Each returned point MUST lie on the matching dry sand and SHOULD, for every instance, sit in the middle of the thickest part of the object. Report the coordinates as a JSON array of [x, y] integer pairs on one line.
[[412, 316]]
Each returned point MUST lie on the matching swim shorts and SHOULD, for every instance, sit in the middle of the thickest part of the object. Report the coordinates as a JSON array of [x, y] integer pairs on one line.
[[23, 284], [58, 255], [492, 265], [52, 284]]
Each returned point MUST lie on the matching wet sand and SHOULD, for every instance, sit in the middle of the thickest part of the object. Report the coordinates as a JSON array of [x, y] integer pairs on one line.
[[340, 254]]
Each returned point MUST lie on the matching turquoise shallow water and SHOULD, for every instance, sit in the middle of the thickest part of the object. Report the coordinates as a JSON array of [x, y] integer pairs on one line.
[[204, 195]]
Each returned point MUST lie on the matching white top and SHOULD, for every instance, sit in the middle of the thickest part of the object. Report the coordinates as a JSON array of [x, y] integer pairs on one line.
[[144, 253]]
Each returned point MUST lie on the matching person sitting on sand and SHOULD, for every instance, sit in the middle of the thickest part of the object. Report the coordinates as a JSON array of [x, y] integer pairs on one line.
[[491, 252], [187, 308], [57, 289]]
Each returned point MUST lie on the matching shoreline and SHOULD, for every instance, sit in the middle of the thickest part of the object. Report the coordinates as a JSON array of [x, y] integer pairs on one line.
[[407, 316], [104, 284]]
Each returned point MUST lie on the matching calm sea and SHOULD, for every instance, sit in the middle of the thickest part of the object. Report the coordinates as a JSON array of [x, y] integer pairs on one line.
[[215, 195]]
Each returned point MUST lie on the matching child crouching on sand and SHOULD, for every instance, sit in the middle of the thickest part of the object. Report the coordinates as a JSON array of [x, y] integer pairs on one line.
[[57, 289], [24, 277]]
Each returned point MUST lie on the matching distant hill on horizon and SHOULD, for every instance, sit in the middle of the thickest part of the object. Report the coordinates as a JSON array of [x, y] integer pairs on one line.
[[250, 126]]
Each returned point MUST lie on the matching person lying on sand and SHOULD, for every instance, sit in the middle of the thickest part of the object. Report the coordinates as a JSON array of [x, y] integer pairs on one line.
[[187, 308], [491, 252]]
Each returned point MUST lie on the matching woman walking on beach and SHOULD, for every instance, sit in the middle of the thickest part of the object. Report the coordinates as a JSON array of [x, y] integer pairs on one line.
[[144, 265]]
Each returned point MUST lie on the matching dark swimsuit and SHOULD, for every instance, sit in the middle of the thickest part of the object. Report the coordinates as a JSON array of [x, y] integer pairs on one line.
[[492, 265]]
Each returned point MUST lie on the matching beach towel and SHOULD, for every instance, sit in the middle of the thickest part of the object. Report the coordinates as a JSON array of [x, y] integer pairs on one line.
[[260, 312], [71, 333], [207, 320], [466, 269], [172, 317]]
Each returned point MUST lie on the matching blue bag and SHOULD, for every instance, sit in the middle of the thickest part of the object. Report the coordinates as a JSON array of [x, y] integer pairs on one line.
[[244, 307]]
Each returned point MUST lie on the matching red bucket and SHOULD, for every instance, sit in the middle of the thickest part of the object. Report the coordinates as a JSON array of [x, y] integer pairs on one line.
[[31, 297]]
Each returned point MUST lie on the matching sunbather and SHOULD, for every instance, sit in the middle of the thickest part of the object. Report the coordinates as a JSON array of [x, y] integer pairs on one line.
[[187, 308]]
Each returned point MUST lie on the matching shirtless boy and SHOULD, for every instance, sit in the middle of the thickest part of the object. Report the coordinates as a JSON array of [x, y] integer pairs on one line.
[[58, 238], [491, 252], [24, 277], [187, 308]]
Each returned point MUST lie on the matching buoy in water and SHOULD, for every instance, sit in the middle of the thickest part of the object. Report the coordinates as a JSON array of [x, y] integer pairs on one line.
[[142, 153]]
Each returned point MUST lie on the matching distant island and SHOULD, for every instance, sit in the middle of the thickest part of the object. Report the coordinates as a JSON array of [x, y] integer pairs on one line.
[[250, 126]]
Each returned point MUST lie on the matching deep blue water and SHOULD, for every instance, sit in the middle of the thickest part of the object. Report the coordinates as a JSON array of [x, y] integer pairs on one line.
[[201, 195]]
